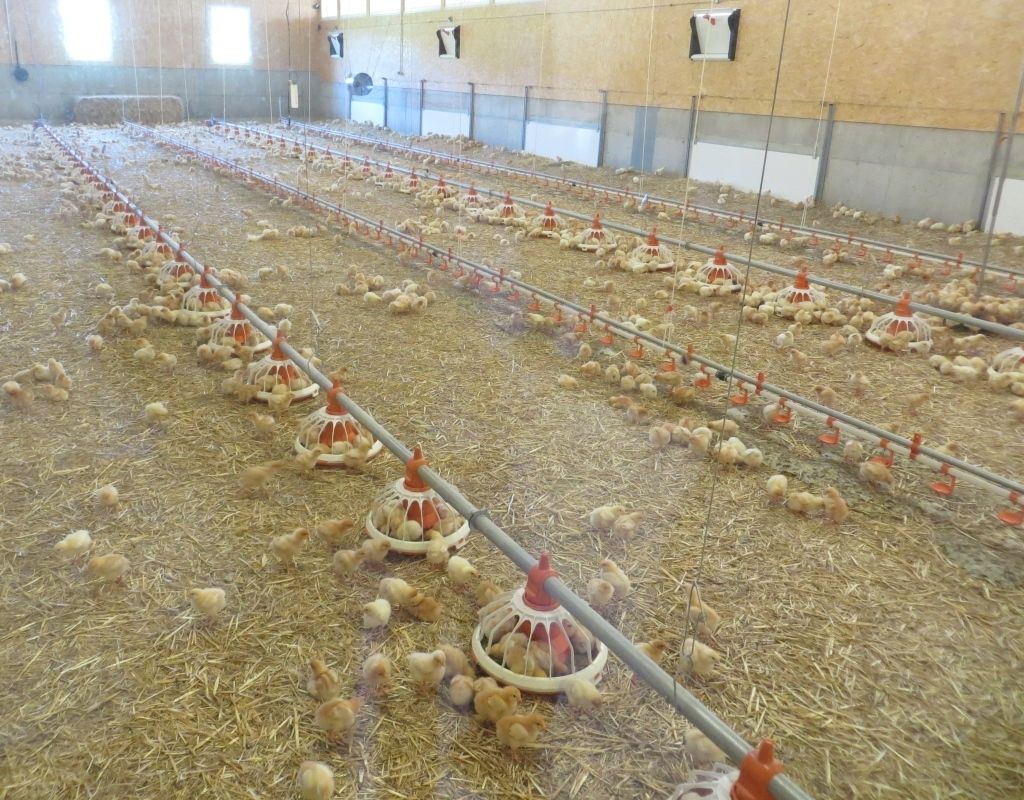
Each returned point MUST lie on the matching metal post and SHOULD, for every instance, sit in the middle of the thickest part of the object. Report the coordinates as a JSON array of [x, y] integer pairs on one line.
[[526, 114], [691, 134], [423, 83], [385, 101], [1011, 132], [472, 110], [986, 190], [602, 131], [826, 149]]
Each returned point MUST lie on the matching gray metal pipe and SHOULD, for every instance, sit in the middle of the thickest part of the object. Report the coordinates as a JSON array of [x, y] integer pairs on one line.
[[986, 189], [765, 266], [653, 200], [734, 746]]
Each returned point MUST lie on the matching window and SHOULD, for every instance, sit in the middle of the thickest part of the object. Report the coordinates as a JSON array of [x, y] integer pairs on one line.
[[464, 3], [385, 6], [229, 35], [328, 9], [352, 8], [87, 28], [422, 5]]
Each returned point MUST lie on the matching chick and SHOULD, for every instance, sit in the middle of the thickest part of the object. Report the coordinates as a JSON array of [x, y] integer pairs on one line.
[[583, 695], [491, 704], [853, 452], [659, 436], [804, 503], [108, 569], [427, 669], [315, 781], [107, 496], [156, 412], [378, 673], [702, 751], [859, 384], [347, 562], [75, 545], [460, 571], [425, 609], [611, 573], [486, 592], [520, 730], [396, 591], [94, 342], [322, 681], [256, 478], [777, 486], [338, 717], [376, 614], [460, 691], [916, 401], [704, 618], [878, 475], [287, 545], [264, 423], [603, 517], [333, 531], [375, 550], [599, 593], [437, 549], [207, 602], [625, 527], [20, 397], [567, 382], [836, 507], [654, 649], [697, 659]]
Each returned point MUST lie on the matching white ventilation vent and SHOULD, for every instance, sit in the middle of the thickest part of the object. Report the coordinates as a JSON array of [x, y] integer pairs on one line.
[[448, 40], [713, 34]]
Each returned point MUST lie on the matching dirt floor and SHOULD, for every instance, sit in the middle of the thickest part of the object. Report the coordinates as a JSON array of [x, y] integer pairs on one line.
[[882, 655]]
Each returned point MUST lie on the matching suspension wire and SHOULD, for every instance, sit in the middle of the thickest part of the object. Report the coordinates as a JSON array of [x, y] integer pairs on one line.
[[821, 105], [160, 62], [540, 78], [716, 467], [135, 66], [647, 99]]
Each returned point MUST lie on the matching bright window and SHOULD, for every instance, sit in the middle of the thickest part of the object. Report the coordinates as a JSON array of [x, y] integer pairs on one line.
[[353, 8], [422, 5], [464, 3], [88, 34], [229, 35], [385, 6], [328, 9]]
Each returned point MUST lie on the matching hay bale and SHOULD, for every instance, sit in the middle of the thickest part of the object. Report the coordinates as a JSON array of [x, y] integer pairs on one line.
[[110, 109]]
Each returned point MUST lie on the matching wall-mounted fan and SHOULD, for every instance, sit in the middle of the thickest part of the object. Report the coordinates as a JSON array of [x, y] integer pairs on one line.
[[448, 40], [359, 84], [336, 44]]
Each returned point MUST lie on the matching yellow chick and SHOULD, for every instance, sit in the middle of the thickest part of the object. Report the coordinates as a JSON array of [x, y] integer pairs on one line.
[[376, 614], [697, 659], [264, 423], [702, 751], [107, 496], [603, 517], [338, 717], [279, 399], [853, 452], [346, 562], [599, 593], [75, 545], [166, 361], [456, 662], [637, 415], [491, 704], [315, 781], [704, 617], [322, 681], [108, 569], [427, 669], [94, 342], [654, 649], [460, 571], [305, 462], [333, 531], [287, 545], [437, 550], [583, 695], [804, 503], [659, 436], [156, 412], [625, 527], [777, 486], [378, 673], [460, 691], [878, 475], [520, 730], [257, 477], [425, 609], [725, 427], [396, 591], [375, 550], [836, 507], [207, 602], [567, 382], [611, 573], [700, 440], [486, 592]]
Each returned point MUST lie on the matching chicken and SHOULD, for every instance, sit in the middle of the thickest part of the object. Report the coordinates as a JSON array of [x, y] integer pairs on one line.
[[700, 440], [704, 618], [322, 681], [376, 614], [338, 717], [396, 591], [108, 569], [315, 781], [603, 517], [20, 397], [156, 412], [777, 486], [859, 384], [145, 354], [491, 704], [567, 382], [916, 401], [460, 691], [437, 549], [826, 395], [279, 399], [637, 415], [654, 649], [853, 452], [378, 673], [107, 496], [835, 506], [257, 477], [697, 659], [333, 531], [287, 545], [94, 342], [207, 602], [625, 527], [599, 593], [425, 609], [264, 423], [427, 669], [583, 694], [486, 592], [1017, 408], [166, 361], [375, 550], [725, 427], [306, 462], [804, 503], [460, 571], [701, 750], [75, 545], [783, 340], [611, 573], [520, 730], [878, 475], [456, 662], [659, 436]]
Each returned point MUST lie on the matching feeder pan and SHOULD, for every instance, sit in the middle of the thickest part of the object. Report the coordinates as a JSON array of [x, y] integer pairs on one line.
[[276, 368], [570, 650], [413, 181], [550, 222], [652, 256], [713, 784], [441, 190], [203, 299], [235, 330], [595, 236], [800, 292], [901, 319], [471, 198], [507, 209], [718, 271], [1011, 360], [174, 270], [334, 428], [410, 499]]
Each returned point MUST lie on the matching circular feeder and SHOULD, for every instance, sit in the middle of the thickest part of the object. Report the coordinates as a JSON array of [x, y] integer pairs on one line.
[[276, 368], [719, 272], [440, 190], [472, 198], [707, 784], [410, 500], [549, 222], [174, 269], [800, 292], [652, 256], [556, 645], [203, 299], [507, 209], [235, 330], [595, 237], [1011, 360], [900, 320], [337, 430]]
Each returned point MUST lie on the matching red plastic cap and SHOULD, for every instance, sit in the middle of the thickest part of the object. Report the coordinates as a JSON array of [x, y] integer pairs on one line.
[[440, 182], [800, 282], [236, 310], [334, 405], [472, 191], [275, 350], [413, 481], [508, 198], [535, 596], [596, 223], [903, 308], [720, 257], [652, 238], [549, 211], [756, 771]]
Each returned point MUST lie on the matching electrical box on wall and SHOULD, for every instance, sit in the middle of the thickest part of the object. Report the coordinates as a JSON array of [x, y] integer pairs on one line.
[[336, 44], [448, 40], [713, 34]]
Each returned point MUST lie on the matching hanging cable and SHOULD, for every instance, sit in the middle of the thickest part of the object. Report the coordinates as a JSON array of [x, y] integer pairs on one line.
[[266, 54], [821, 105], [647, 100]]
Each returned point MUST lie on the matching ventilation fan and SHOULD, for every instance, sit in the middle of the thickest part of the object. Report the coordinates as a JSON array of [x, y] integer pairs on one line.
[[448, 41], [359, 84], [336, 44]]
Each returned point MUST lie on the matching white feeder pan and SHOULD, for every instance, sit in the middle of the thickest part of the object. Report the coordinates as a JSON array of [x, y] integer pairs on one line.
[[713, 784], [190, 298], [397, 491], [1011, 360], [302, 394], [319, 419], [914, 323]]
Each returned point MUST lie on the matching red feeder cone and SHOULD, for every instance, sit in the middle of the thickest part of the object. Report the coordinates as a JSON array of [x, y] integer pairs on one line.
[[274, 369], [901, 322], [718, 271], [756, 771], [801, 291], [235, 331], [347, 443]]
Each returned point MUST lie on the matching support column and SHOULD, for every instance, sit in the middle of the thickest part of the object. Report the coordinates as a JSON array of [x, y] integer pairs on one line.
[[526, 116], [691, 131], [385, 101], [602, 131], [472, 109], [826, 149], [986, 190], [422, 96]]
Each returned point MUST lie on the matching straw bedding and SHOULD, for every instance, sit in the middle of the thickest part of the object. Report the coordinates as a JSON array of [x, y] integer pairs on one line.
[[146, 109], [880, 655]]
